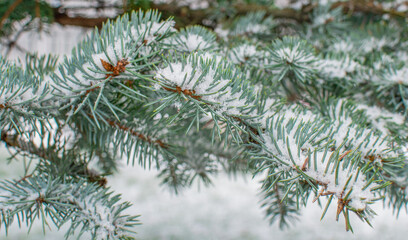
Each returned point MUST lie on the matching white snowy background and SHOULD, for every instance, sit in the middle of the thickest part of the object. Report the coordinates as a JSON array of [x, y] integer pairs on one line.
[[228, 210]]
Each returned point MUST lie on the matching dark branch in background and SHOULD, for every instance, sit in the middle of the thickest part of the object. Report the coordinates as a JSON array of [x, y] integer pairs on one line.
[[64, 19], [367, 7], [9, 11], [66, 16], [186, 16]]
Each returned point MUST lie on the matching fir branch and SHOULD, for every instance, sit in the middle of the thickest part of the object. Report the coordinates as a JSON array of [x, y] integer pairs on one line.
[[134, 133], [89, 208], [51, 155]]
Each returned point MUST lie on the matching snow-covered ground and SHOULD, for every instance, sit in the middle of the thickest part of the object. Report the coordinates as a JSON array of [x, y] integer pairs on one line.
[[228, 210]]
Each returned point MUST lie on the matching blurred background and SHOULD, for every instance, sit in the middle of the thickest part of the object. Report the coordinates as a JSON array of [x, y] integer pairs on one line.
[[230, 209]]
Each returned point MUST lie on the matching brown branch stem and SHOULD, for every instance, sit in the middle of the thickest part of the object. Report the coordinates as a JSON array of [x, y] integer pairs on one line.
[[133, 132], [9, 11], [190, 93], [136, 134]]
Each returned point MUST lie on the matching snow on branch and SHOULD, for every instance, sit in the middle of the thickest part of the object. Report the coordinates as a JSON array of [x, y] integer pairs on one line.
[[207, 78], [90, 208]]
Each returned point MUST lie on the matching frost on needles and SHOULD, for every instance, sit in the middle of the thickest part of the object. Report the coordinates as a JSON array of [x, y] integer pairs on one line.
[[317, 112]]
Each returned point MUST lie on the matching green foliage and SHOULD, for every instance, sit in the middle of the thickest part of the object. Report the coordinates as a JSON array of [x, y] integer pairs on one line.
[[86, 207], [315, 111], [292, 56]]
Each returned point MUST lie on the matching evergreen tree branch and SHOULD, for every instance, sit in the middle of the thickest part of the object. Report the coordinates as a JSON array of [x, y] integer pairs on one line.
[[277, 208], [49, 154], [89, 208], [137, 134]]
